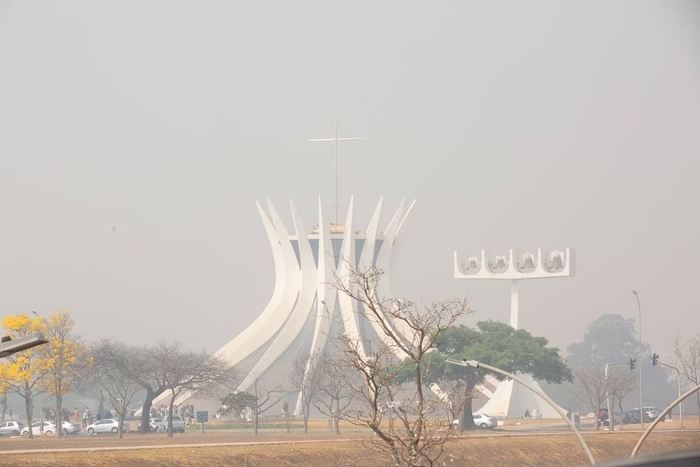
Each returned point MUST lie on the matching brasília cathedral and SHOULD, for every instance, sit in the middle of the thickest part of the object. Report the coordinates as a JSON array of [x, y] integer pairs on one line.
[[298, 318]]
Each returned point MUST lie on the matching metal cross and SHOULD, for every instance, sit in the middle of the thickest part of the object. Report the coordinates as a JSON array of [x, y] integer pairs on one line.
[[336, 139]]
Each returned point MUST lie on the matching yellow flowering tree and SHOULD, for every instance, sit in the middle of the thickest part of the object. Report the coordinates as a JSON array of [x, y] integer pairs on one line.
[[62, 358], [22, 372]]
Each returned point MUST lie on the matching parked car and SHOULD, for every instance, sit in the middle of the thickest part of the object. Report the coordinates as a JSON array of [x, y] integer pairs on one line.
[[153, 424], [11, 428], [480, 420], [652, 412], [49, 429], [108, 425], [69, 428], [484, 421], [178, 424], [632, 416]]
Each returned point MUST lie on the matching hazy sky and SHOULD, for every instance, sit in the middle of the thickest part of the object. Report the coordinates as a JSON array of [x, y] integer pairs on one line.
[[135, 138]]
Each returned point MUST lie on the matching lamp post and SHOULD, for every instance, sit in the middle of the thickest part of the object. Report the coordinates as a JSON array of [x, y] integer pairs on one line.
[[539, 392], [641, 351]]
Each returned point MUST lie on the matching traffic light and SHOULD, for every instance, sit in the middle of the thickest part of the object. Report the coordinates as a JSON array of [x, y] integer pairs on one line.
[[632, 363], [654, 359]]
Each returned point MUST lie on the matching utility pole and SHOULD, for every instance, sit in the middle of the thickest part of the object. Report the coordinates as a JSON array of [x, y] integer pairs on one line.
[[641, 351]]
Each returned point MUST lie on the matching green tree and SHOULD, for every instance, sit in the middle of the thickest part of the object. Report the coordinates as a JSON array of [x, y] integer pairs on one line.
[[496, 344], [240, 402], [611, 338], [608, 338]]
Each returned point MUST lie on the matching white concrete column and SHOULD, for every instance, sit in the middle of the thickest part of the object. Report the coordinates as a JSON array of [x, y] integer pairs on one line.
[[514, 303]]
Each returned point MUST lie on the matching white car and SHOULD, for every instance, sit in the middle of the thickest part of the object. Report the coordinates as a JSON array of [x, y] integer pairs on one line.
[[70, 428], [480, 420], [108, 425], [484, 421], [11, 428], [178, 424], [49, 429]]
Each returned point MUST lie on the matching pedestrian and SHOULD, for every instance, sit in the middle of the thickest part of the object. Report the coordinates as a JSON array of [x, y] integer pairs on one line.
[[86, 417], [76, 416]]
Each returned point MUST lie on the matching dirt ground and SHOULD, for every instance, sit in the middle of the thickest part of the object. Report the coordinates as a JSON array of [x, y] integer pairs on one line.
[[189, 449]]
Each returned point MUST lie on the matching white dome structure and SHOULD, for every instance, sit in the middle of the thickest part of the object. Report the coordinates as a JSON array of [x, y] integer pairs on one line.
[[297, 319]]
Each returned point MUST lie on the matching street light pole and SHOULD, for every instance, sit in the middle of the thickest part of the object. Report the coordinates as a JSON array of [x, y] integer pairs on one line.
[[476, 364], [641, 360]]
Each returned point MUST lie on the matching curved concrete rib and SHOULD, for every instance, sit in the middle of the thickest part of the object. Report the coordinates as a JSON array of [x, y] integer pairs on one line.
[[367, 255], [348, 312], [302, 309], [384, 263], [267, 324], [255, 335], [325, 295], [366, 260]]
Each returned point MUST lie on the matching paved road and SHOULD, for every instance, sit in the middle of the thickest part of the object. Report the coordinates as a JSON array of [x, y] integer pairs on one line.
[[162, 446]]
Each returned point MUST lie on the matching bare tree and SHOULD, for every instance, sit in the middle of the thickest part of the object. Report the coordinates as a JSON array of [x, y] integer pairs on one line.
[[111, 369], [148, 374], [621, 382], [592, 389], [306, 378], [199, 372], [335, 390], [417, 438], [687, 360]]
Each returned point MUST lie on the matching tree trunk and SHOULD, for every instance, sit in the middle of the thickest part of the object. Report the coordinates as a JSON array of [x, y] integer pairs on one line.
[[121, 423], [306, 423], [596, 414], [145, 426], [468, 416], [336, 416], [170, 416], [3, 404], [255, 420], [58, 420], [28, 407]]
